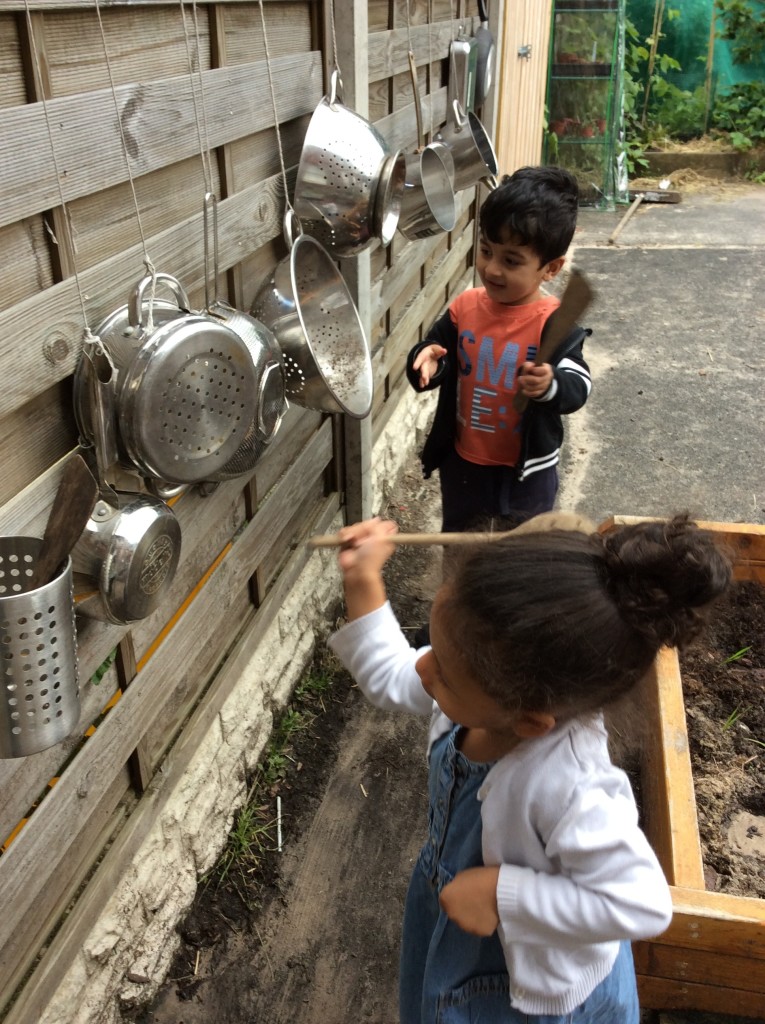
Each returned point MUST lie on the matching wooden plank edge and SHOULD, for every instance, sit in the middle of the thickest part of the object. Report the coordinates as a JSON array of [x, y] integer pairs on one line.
[[663, 994]]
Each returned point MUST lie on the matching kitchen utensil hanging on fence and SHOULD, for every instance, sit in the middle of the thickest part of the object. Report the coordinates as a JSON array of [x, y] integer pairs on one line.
[[350, 182], [131, 544], [428, 205], [486, 53], [267, 360], [463, 56], [306, 303], [74, 501], [471, 148]]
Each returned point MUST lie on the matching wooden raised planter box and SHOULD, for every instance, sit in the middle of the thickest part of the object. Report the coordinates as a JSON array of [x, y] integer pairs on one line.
[[712, 956]]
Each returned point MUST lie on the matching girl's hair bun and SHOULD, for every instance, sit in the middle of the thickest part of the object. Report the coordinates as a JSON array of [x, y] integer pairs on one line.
[[662, 575]]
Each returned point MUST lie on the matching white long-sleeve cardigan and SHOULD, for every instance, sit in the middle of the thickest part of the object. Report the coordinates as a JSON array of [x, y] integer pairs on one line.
[[577, 874]]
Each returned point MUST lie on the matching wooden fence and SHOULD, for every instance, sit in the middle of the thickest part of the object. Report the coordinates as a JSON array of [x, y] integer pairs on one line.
[[107, 112]]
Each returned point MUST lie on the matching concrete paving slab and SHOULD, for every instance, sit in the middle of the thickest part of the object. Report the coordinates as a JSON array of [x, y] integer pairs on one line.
[[675, 420]]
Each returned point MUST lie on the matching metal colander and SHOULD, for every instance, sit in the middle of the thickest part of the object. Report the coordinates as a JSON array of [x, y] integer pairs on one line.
[[306, 303], [40, 698], [349, 182]]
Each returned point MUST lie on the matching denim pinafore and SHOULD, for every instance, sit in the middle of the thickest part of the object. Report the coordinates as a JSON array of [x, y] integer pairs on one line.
[[448, 976]]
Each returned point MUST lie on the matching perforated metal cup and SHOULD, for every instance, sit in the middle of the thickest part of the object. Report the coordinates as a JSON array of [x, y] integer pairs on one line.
[[40, 698]]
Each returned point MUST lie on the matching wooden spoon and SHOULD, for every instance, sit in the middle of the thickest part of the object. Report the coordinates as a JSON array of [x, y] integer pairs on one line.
[[333, 540], [75, 499]]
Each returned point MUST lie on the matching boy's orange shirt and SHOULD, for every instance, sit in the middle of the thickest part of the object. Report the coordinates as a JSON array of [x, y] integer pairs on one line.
[[494, 341]]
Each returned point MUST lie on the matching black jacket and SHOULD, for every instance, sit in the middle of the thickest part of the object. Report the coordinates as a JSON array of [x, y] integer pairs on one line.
[[541, 426]]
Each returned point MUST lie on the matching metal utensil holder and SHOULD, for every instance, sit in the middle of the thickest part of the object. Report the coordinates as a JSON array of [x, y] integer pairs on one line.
[[40, 698]]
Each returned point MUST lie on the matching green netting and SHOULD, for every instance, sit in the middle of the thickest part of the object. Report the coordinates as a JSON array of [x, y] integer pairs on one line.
[[686, 38]]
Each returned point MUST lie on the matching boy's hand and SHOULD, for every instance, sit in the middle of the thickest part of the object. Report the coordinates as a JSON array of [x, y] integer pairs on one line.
[[366, 548], [470, 900], [534, 381], [427, 362]]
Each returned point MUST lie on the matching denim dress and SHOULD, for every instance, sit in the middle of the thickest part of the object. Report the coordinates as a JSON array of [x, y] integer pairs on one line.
[[448, 976]]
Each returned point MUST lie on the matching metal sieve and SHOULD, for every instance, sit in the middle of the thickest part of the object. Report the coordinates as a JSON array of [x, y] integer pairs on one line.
[[349, 182], [306, 303], [40, 698]]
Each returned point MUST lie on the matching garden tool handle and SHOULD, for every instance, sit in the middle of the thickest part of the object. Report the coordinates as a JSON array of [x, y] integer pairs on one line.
[[575, 299]]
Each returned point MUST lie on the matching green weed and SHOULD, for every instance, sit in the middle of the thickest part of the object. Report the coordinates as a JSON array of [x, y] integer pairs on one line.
[[737, 655]]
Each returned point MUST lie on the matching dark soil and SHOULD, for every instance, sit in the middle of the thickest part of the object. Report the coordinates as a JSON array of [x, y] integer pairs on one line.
[[725, 709]]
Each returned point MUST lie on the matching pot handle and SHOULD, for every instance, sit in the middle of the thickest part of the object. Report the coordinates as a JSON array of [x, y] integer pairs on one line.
[[135, 304], [101, 376], [417, 99], [335, 88], [210, 219], [460, 118]]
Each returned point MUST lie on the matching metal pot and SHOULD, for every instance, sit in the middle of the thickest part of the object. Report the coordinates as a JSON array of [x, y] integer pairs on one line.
[[428, 206], [184, 386], [349, 182], [463, 55], [132, 551], [308, 306], [471, 148]]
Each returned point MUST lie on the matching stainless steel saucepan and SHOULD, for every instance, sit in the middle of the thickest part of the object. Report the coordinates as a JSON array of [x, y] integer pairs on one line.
[[184, 388]]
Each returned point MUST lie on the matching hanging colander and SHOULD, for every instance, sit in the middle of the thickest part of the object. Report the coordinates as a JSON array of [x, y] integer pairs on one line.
[[306, 303], [349, 182]]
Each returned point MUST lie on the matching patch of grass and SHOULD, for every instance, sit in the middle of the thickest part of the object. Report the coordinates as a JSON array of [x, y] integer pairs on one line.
[[737, 655], [254, 832], [735, 716]]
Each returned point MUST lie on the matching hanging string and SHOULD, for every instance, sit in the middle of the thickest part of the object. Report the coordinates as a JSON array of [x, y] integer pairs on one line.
[[89, 336], [334, 33], [146, 259], [430, 68], [204, 154], [273, 100]]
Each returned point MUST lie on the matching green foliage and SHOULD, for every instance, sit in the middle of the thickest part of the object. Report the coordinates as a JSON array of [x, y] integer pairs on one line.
[[743, 23], [738, 655], [740, 111]]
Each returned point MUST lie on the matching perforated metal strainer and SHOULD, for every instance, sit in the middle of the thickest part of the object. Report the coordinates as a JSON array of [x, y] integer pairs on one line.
[[307, 305], [184, 391], [350, 182]]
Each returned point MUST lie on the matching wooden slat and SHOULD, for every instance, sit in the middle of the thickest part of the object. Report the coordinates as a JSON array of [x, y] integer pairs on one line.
[[90, 5], [721, 968], [63, 948], [669, 800], [388, 51], [76, 809], [664, 994], [12, 89], [234, 104]]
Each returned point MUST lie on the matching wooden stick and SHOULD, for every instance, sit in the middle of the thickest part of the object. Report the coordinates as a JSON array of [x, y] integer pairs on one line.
[[627, 216], [333, 540]]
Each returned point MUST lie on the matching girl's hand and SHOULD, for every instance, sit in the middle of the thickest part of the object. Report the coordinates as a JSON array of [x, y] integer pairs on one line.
[[470, 900], [427, 362], [366, 549], [534, 381]]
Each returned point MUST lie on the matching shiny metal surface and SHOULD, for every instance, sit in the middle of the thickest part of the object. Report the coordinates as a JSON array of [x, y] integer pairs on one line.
[[428, 206], [184, 390], [39, 691], [349, 182], [471, 149], [132, 552], [306, 303]]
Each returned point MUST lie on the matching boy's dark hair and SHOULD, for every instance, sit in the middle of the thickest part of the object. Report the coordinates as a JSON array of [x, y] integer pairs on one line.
[[537, 206], [567, 622]]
